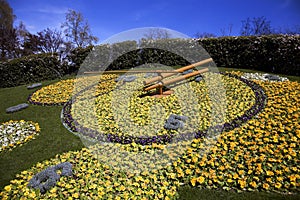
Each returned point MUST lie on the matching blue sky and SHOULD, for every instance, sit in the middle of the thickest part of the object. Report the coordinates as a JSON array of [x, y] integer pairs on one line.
[[107, 18]]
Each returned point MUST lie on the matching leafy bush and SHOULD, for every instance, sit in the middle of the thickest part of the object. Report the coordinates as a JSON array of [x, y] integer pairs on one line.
[[76, 58], [30, 69], [271, 53]]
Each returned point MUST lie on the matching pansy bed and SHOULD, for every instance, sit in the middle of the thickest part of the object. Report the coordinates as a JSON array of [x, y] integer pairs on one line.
[[259, 155], [16, 133], [59, 93], [93, 112]]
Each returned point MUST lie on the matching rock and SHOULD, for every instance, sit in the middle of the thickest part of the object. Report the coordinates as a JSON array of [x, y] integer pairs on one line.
[[35, 85], [17, 107], [150, 74], [272, 77], [129, 78], [47, 178], [175, 122], [198, 78], [125, 78]]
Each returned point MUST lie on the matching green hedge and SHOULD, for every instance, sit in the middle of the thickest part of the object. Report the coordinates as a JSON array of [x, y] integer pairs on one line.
[[272, 53], [29, 69], [76, 58]]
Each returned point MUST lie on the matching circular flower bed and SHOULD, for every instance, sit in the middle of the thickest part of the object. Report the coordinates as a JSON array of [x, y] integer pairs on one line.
[[55, 94], [244, 99], [15, 133], [59, 93], [259, 155]]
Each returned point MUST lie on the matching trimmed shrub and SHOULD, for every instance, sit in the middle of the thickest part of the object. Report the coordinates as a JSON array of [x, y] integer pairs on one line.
[[76, 58], [29, 69], [271, 53]]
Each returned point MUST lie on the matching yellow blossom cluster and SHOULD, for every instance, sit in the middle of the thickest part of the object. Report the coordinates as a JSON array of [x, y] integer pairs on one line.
[[259, 155]]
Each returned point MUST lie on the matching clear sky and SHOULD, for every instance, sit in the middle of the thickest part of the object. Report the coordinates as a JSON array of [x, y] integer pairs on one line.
[[110, 17]]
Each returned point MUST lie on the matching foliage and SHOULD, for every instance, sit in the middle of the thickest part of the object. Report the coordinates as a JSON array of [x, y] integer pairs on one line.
[[29, 69], [46, 41], [256, 26], [205, 35], [156, 33], [273, 53], [76, 58], [77, 30], [8, 34]]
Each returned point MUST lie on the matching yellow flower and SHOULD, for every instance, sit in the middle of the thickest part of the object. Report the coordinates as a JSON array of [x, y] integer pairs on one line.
[[242, 183], [270, 173], [122, 187], [32, 195], [229, 180], [278, 185], [193, 181], [266, 186], [253, 184], [200, 179], [7, 188]]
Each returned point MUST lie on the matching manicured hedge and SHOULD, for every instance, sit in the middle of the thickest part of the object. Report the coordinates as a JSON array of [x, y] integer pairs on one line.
[[29, 69], [272, 53], [76, 58]]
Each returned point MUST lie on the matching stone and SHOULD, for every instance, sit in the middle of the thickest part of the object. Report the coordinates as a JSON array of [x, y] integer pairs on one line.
[[35, 85], [272, 77], [47, 178], [175, 122], [125, 78], [198, 78], [17, 107], [150, 74]]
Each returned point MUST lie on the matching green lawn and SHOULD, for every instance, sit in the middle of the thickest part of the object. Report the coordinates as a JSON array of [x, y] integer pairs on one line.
[[54, 139]]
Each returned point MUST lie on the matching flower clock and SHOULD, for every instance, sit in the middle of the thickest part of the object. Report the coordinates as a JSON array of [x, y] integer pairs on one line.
[[256, 148]]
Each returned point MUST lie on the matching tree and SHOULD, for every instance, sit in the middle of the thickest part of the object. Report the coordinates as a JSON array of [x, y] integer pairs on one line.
[[226, 31], [289, 30], [51, 41], [8, 35], [31, 44], [157, 33], [256, 26], [205, 35], [77, 30]]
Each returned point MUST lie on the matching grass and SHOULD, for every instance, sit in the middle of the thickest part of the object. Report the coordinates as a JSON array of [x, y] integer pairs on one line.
[[188, 193], [55, 139]]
